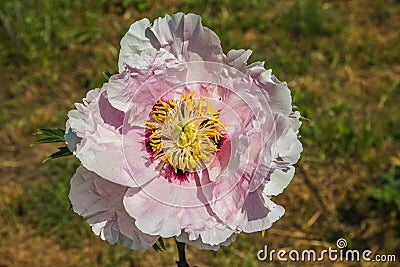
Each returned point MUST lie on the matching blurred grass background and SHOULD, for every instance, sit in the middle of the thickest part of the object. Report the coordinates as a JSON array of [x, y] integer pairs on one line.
[[341, 59]]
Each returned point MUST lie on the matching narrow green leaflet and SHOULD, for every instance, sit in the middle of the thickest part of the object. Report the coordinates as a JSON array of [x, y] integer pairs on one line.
[[160, 246], [62, 152], [52, 136], [161, 241], [50, 139], [49, 132]]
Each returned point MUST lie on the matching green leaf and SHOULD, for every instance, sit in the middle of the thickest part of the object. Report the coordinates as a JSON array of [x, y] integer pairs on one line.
[[49, 139], [62, 152], [107, 75], [156, 247], [51, 136], [161, 241], [159, 247], [50, 132]]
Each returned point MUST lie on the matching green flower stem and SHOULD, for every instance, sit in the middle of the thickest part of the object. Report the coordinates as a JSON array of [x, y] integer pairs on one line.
[[182, 257]]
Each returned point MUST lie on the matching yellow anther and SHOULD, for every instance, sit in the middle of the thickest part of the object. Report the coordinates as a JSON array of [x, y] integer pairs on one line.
[[187, 96], [151, 125], [155, 142], [160, 110]]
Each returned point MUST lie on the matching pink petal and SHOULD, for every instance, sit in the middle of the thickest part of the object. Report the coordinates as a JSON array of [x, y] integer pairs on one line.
[[134, 42], [161, 208], [80, 119], [123, 87], [100, 201], [120, 89], [277, 93], [99, 125], [133, 151], [238, 59], [157, 218], [198, 243], [280, 98], [98, 154], [260, 160], [185, 37], [260, 212], [227, 196]]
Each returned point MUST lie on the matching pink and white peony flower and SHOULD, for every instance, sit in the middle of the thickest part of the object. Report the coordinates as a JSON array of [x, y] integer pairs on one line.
[[183, 142]]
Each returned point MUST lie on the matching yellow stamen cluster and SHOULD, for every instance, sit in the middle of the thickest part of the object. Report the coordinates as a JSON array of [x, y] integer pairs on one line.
[[187, 133], [155, 142], [161, 110]]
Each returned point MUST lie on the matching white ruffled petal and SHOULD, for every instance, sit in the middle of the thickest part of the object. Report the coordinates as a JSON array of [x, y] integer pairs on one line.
[[238, 59], [279, 180], [134, 42]]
